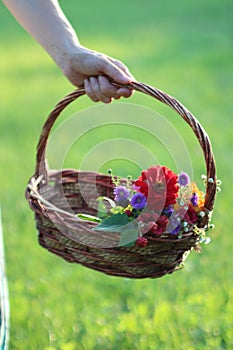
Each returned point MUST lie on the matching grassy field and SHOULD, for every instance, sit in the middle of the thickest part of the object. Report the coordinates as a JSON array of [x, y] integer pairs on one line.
[[178, 46]]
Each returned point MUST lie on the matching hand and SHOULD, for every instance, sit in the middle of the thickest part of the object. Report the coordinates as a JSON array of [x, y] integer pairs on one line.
[[95, 71]]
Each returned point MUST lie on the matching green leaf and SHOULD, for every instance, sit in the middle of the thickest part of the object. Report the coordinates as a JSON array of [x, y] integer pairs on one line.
[[114, 223], [101, 210], [89, 217], [129, 236]]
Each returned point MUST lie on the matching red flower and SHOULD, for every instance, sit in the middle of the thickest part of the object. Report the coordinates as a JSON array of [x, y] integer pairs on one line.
[[162, 223], [148, 220], [142, 242], [128, 212], [191, 215], [159, 185]]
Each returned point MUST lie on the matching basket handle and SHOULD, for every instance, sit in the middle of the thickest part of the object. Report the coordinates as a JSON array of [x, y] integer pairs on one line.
[[158, 95]]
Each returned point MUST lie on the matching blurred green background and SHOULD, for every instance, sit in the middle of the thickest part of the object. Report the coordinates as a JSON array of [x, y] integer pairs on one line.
[[184, 48]]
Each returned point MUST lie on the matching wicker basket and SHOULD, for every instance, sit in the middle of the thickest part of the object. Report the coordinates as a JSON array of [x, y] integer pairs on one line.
[[57, 196]]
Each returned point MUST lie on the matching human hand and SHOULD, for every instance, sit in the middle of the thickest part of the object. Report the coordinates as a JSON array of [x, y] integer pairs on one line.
[[96, 72]]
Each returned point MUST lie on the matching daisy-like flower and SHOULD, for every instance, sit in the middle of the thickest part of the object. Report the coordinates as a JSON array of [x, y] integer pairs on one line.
[[183, 179], [138, 201], [121, 193]]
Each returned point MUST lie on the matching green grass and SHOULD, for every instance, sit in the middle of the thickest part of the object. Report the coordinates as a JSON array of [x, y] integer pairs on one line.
[[183, 48]]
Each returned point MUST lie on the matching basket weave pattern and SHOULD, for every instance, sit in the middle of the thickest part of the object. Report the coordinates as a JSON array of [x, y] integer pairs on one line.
[[56, 199]]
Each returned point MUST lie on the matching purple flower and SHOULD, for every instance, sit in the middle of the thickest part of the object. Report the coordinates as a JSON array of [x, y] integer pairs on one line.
[[183, 179], [168, 211], [194, 199], [138, 201], [174, 225], [121, 193], [176, 230]]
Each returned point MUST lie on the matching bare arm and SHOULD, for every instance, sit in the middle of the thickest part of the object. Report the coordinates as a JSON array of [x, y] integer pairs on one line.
[[45, 21]]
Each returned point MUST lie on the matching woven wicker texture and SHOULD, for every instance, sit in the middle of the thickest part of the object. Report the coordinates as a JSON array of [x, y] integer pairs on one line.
[[56, 197]]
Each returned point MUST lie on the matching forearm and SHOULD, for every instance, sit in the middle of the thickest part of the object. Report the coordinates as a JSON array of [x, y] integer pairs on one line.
[[45, 21]]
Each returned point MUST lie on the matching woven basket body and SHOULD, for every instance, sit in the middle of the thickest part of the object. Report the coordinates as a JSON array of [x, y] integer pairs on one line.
[[56, 197]]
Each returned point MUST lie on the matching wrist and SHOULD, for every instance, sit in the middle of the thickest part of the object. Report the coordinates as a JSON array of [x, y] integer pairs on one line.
[[63, 50]]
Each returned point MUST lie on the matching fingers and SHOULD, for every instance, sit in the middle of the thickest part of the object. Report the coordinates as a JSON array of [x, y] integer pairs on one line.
[[93, 90], [124, 92], [100, 89], [116, 70]]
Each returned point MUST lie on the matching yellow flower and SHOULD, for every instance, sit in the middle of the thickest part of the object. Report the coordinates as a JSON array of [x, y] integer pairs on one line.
[[201, 197], [117, 210]]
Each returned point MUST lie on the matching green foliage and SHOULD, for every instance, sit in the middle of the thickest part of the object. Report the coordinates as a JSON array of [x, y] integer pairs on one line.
[[183, 48], [89, 217], [129, 235], [120, 223], [114, 223], [102, 210]]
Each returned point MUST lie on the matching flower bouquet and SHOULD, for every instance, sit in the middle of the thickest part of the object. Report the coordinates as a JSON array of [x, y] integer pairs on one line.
[[159, 203]]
